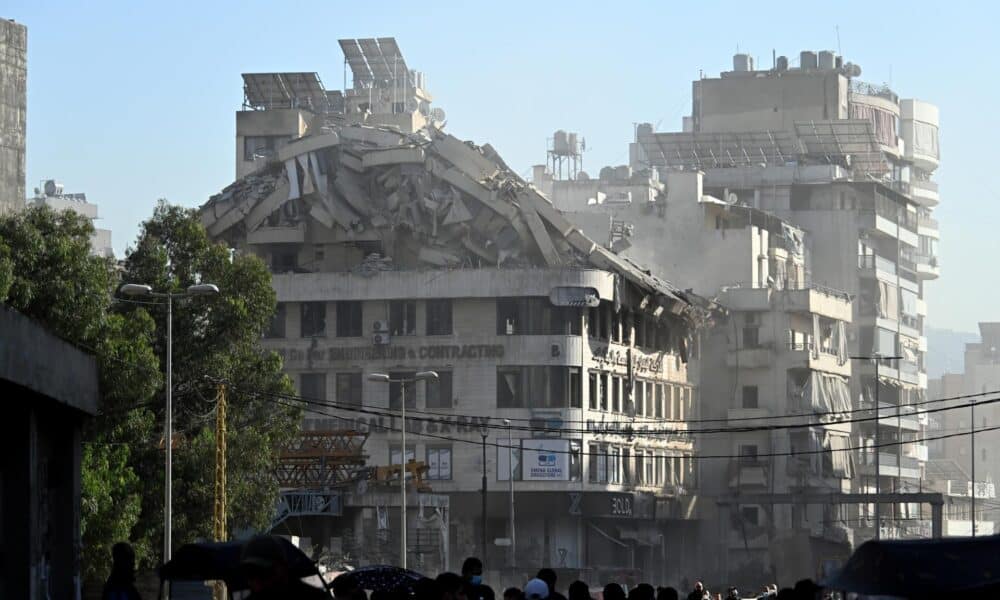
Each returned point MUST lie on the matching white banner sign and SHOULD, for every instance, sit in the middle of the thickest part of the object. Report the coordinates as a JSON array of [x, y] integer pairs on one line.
[[546, 460]]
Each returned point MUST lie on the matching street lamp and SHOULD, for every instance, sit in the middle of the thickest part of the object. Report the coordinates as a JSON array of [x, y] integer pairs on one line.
[[138, 289], [510, 478], [484, 432], [384, 378]]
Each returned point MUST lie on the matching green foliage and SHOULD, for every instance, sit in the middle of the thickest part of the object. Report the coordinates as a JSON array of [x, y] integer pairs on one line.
[[47, 273], [215, 339]]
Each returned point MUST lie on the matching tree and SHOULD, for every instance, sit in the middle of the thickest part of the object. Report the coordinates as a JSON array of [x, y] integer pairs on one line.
[[47, 273], [216, 339]]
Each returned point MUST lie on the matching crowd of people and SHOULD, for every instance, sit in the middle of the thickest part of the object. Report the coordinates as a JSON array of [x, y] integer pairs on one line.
[[265, 569]]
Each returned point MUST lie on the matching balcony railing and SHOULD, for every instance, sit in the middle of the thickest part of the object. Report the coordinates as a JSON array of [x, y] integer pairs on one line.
[[928, 222], [930, 186], [808, 347], [872, 261]]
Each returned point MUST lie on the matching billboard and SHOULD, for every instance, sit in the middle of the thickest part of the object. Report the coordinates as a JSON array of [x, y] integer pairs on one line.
[[545, 460]]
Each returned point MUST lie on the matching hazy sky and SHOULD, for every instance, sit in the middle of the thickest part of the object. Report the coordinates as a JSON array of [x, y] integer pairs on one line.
[[133, 101]]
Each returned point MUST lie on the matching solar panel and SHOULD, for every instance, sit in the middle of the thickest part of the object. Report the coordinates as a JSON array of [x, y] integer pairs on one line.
[[373, 54], [390, 50], [284, 90], [356, 60]]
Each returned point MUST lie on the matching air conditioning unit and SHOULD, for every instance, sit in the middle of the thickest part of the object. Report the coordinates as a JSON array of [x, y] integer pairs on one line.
[[380, 327], [381, 339]]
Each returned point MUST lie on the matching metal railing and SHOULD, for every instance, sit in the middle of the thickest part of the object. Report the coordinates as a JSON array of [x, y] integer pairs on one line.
[[873, 261]]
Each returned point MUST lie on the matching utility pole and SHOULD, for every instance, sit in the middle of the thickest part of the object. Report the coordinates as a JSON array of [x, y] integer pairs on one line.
[[878, 443], [483, 431], [219, 522], [972, 441], [510, 477]]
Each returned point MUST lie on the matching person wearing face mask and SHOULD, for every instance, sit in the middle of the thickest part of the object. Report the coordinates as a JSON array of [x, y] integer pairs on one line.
[[472, 573]]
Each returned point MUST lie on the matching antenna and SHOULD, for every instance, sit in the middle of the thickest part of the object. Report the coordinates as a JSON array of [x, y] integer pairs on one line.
[[837, 28]]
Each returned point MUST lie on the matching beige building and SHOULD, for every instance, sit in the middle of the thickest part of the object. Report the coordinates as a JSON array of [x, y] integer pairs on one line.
[[781, 350], [13, 113], [850, 164], [51, 194], [397, 251]]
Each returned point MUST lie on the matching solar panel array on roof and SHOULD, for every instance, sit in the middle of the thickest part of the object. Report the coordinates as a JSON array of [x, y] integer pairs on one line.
[[356, 60], [374, 60], [284, 90]]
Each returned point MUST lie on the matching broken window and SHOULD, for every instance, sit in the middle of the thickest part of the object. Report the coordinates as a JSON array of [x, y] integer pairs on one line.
[[751, 331], [605, 391], [510, 392], [439, 317], [402, 317], [349, 389], [276, 329], [616, 394], [640, 398], [284, 261], [349, 323], [312, 386], [750, 515], [536, 316], [575, 460], [262, 146], [659, 401], [750, 396], [313, 321], [402, 383], [439, 391]]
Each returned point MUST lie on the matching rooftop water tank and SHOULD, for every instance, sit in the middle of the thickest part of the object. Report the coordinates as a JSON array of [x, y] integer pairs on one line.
[[827, 59], [807, 59], [560, 143], [742, 62], [782, 63]]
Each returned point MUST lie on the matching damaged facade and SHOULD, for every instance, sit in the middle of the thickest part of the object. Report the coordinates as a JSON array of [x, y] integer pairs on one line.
[[781, 349], [397, 248], [13, 113]]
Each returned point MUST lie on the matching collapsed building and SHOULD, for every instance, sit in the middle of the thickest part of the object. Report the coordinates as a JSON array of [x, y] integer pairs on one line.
[[397, 248]]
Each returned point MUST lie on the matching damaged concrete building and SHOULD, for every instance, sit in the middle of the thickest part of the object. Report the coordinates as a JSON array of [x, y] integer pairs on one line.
[[397, 248], [781, 349], [13, 113]]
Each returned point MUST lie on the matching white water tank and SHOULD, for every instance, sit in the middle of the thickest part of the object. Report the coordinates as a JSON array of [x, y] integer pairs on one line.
[[807, 59], [827, 59], [560, 143], [742, 62]]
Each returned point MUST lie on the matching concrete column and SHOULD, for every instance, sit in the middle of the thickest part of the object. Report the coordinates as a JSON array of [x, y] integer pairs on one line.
[[936, 524]]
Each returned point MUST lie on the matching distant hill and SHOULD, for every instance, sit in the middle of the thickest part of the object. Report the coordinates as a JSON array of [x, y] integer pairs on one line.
[[946, 350]]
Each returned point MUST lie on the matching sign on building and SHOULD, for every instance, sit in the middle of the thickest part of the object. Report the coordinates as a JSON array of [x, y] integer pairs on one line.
[[546, 460]]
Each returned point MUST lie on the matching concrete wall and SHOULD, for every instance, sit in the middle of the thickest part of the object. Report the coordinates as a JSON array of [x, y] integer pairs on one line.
[[291, 122], [770, 102], [13, 113]]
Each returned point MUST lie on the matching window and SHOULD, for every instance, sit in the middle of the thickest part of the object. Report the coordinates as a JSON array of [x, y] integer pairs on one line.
[[659, 401], [439, 317], [349, 388], [538, 387], [284, 261], [402, 384], [598, 463], [276, 329], [402, 317], [439, 391], [592, 391], [536, 316], [439, 463], [750, 515], [262, 146], [615, 466], [749, 396], [640, 461], [649, 464], [616, 326], [748, 453], [616, 394], [349, 323], [394, 457], [312, 386], [650, 399], [510, 390], [605, 391], [575, 460], [313, 322], [597, 322], [640, 398], [751, 336], [628, 475]]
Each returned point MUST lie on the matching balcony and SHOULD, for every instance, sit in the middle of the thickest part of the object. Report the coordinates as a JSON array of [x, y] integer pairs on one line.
[[746, 298], [924, 193], [901, 225], [823, 301], [889, 465], [873, 265], [295, 234], [928, 226], [927, 266], [759, 357], [801, 356], [742, 414]]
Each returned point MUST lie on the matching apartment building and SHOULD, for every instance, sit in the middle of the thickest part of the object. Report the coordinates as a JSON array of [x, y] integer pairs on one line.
[[395, 252], [781, 350], [979, 378], [849, 163], [13, 113], [51, 194]]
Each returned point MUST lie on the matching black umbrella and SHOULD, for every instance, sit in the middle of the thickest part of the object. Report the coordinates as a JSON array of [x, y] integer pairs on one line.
[[382, 578], [220, 561]]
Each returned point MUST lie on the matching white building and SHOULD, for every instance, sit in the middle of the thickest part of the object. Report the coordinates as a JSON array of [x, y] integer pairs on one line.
[[398, 251], [51, 194], [849, 163], [782, 350]]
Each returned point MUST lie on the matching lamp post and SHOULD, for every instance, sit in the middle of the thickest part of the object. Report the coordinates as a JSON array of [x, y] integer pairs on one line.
[[878, 463], [384, 378], [138, 289], [510, 478], [484, 432]]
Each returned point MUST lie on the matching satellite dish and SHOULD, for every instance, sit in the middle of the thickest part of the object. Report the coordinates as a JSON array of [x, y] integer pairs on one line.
[[437, 115], [732, 198]]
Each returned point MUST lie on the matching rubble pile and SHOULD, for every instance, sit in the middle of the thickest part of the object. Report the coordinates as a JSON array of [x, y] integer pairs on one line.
[[428, 199]]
